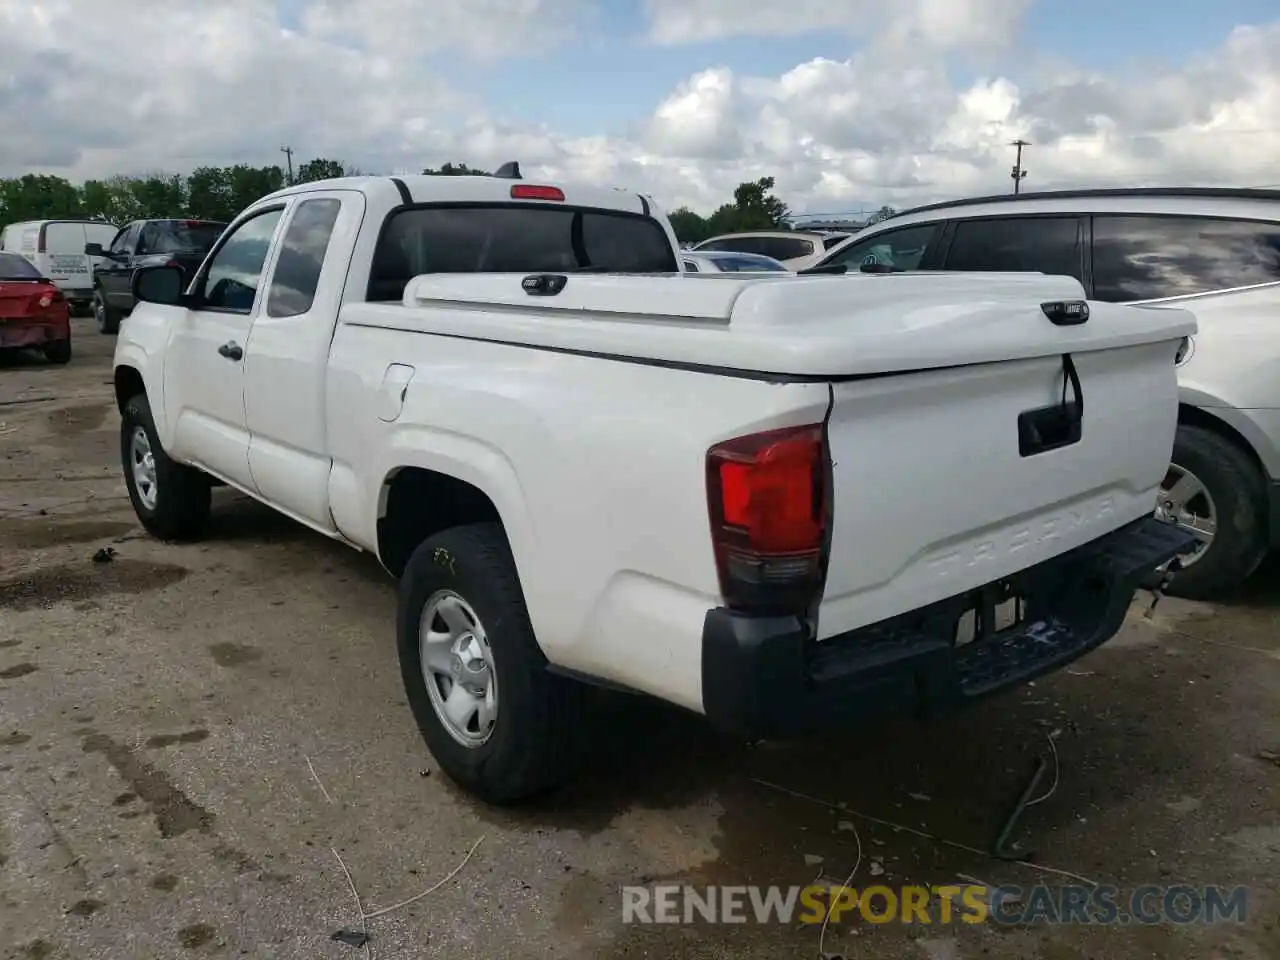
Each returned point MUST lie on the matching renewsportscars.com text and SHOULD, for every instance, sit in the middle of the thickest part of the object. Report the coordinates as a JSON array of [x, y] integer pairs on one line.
[[961, 903]]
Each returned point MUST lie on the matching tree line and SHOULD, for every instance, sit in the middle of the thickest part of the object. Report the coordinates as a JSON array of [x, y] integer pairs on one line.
[[219, 193]]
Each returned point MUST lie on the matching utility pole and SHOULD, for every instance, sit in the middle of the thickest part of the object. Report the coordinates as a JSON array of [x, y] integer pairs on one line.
[[288, 152], [1018, 173]]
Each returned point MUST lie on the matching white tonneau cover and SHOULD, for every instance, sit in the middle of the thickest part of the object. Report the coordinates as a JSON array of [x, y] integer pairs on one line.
[[812, 326]]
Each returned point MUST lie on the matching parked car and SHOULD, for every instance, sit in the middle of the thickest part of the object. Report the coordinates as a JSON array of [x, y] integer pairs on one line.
[[794, 249], [721, 261], [181, 243], [56, 249], [1213, 251], [34, 313], [724, 495]]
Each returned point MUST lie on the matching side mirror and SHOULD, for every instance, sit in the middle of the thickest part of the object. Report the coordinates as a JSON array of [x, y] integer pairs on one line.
[[161, 284], [94, 250]]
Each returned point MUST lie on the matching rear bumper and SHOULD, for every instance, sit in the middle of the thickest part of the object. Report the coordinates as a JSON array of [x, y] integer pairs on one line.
[[15, 334], [762, 676]]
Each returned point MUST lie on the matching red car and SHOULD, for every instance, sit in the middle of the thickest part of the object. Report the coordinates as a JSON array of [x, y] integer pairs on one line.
[[33, 312]]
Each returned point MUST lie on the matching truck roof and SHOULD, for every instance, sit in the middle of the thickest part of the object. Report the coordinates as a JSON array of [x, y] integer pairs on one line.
[[426, 188]]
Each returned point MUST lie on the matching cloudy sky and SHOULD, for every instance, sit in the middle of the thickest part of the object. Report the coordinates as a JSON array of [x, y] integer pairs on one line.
[[848, 103]]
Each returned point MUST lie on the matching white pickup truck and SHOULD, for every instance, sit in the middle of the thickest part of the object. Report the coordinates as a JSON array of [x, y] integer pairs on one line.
[[780, 501]]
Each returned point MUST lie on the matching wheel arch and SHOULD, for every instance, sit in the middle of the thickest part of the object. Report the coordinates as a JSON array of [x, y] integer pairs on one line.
[[417, 501]]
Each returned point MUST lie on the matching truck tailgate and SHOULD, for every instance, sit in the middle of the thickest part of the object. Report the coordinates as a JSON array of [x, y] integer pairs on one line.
[[938, 490]]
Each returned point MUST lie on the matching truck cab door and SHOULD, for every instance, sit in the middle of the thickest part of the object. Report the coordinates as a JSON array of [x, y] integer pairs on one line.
[[115, 273], [287, 356], [204, 362]]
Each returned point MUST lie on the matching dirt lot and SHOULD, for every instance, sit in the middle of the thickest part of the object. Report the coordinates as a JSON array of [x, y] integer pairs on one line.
[[159, 715]]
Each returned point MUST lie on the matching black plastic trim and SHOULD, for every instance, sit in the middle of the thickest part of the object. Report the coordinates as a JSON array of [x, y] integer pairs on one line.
[[1207, 193], [406, 198], [764, 676]]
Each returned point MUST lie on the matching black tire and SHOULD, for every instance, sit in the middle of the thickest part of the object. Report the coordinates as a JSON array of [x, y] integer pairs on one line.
[[539, 731], [180, 510], [107, 317], [58, 351], [1239, 493]]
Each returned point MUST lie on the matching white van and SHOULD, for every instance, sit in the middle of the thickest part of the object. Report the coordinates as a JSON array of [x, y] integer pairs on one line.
[[56, 248]]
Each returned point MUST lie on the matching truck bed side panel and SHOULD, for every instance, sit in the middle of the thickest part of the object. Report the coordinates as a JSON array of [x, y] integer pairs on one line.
[[598, 469]]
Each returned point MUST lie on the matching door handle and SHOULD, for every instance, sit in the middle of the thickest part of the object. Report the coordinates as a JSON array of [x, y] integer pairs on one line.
[[231, 350]]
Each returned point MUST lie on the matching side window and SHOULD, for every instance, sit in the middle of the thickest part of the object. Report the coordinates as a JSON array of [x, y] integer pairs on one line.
[[829, 242], [903, 248], [123, 243], [1049, 245], [297, 270], [148, 239], [231, 282], [1145, 258], [723, 244]]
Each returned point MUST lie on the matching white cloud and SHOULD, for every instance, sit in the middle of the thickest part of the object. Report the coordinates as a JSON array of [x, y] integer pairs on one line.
[[935, 24], [484, 28], [89, 90]]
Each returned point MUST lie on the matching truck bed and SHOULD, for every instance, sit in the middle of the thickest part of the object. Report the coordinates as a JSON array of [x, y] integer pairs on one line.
[[813, 328]]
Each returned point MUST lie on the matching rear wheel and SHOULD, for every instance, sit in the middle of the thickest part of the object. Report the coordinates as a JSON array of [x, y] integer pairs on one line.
[[58, 351], [498, 723], [170, 499], [1214, 488], [106, 317]]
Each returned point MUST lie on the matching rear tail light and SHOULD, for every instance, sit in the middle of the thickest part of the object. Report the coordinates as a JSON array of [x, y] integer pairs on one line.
[[48, 298], [529, 191], [767, 495]]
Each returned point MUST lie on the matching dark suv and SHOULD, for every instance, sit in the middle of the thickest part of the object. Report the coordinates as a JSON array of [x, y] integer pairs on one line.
[[144, 243]]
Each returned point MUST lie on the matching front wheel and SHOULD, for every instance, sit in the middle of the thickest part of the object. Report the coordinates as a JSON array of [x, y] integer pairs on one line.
[[170, 499], [107, 318], [1214, 488], [498, 723]]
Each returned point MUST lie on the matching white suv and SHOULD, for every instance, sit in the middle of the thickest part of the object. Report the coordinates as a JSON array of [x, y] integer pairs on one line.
[[1215, 252], [794, 249]]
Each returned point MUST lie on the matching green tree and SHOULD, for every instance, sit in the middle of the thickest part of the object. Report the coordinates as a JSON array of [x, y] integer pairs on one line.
[[688, 226], [754, 207], [209, 195], [36, 196], [884, 213], [319, 169], [454, 170]]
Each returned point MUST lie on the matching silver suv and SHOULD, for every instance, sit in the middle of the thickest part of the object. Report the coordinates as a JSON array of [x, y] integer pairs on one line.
[[1215, 252]]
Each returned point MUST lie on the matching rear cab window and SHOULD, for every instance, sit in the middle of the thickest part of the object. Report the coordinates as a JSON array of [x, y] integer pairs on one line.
[[514, 238], [179, 236], [1152, 257]]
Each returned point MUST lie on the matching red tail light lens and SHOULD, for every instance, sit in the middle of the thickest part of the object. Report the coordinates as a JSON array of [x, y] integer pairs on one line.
[[768, 501], [529, 191], [49, 297]]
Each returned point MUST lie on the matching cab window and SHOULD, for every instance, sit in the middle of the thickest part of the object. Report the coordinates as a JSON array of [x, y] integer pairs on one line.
[[903, 248]]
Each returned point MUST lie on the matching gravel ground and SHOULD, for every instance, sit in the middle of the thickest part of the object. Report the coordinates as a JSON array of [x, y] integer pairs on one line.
[[160, 715]]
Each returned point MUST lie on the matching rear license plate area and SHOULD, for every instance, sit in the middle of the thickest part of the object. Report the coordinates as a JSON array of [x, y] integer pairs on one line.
[[989, 611]]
